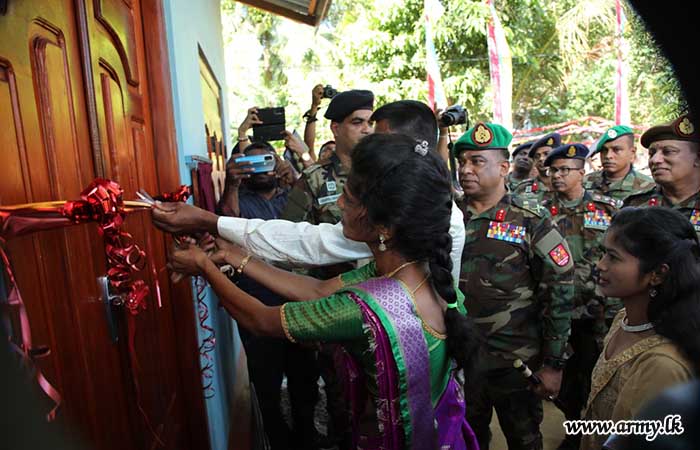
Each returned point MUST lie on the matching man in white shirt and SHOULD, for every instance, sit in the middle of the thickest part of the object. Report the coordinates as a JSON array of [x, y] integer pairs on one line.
[[303, 244]]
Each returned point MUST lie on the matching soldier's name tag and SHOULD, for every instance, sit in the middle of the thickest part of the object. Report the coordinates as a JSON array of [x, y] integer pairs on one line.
[[695, 219], [597, 220], [504, 231], [331, 186], [328, 199]]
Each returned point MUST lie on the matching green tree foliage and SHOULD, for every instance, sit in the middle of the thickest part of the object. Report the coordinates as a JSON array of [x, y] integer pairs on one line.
[[564, 58]]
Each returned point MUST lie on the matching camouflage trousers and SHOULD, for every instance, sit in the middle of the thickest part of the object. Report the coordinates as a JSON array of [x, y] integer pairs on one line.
[[519, 410]]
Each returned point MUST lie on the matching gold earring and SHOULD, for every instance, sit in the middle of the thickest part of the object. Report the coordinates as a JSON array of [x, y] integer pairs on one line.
[[382, 245]]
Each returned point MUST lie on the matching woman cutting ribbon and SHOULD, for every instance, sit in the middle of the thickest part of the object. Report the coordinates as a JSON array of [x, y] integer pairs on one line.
[[400, 323]]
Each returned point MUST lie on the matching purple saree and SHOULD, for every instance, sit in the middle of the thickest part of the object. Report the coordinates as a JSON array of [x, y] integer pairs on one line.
[[405, 414]]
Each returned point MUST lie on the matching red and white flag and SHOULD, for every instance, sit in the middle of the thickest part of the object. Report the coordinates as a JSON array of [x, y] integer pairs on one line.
[[622, 103], [432, 11], [501, 69]]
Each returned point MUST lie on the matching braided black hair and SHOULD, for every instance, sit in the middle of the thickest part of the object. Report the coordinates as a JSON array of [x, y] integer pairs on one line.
[[409, 189]]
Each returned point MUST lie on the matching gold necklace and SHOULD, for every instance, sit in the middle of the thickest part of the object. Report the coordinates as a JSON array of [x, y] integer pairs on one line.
[[406, 264], [395, 271]]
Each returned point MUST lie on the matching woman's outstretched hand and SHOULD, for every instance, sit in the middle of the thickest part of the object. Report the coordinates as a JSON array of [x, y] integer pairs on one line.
[[187, 259], [228, 253]]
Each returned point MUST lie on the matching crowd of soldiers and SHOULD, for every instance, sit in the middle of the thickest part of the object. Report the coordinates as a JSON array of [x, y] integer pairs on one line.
[[531, 245]]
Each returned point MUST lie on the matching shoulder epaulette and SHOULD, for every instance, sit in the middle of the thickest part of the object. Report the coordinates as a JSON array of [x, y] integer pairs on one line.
[[528, 203], [607, 200], [315, 166]]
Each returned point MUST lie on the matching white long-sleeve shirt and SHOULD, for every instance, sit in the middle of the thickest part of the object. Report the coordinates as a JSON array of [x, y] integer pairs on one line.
[[304, 244]]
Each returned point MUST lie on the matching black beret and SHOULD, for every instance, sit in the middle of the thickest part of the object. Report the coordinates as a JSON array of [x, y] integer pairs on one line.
[[521, 147], [550, 140], [567, 151], [345, 103]]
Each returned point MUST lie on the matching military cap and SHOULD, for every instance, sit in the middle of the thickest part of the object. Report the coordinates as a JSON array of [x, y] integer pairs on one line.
[[484, 136], [567, 151], [345, 103], [521, 147], [613, 133], [683, 128], [551, 140]]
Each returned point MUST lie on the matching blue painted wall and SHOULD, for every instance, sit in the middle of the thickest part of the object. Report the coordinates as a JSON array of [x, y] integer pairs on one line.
[[192, 25]]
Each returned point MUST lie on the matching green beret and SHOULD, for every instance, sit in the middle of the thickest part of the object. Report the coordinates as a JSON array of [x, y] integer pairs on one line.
[[483, 136], [567, 151], [612, 134], [684, 128]]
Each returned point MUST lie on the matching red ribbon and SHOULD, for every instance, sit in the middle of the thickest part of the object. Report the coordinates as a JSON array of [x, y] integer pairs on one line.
[[100, 202], [181, 195], [208, 342], [26, 349]]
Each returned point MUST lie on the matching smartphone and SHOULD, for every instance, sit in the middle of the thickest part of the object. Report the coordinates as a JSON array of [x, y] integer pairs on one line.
[[273, 124], [259, 163]]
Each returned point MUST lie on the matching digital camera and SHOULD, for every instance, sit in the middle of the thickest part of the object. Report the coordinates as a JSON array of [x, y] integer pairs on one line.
[[329, 92], [454, 115]]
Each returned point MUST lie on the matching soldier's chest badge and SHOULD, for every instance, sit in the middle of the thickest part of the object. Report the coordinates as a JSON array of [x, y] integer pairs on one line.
[[597, 220], [560, 255], [695, 219], [504, 231]]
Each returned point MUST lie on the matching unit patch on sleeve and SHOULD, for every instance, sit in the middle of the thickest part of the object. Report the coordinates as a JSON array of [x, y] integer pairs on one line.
[[560, 255], [504, 231]]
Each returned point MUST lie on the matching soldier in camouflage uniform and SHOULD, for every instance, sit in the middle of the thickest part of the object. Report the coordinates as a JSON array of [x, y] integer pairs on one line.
[[536, 187], [314, 196], [521, 167], [582, 216], [617, 178], [674, 159], [517, 277]]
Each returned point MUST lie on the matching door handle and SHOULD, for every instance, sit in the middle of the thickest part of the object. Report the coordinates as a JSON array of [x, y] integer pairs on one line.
[[109, 299]]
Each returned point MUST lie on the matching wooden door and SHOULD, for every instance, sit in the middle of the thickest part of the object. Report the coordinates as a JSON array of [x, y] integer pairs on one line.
[[76, 78]]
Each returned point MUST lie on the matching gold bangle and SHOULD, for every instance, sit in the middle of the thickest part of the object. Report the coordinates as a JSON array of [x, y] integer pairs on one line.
[[285, 324], [239, 269]]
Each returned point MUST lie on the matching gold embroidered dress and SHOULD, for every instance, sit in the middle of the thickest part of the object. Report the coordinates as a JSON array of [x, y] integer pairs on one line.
[[622, 384]]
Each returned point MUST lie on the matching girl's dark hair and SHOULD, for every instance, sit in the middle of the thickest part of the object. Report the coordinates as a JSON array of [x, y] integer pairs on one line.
[[659, 236], [410, 191]]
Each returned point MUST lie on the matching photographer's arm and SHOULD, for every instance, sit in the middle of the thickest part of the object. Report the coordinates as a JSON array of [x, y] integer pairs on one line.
[[443, 138], [251, 119], [310, 128], [235, 173]]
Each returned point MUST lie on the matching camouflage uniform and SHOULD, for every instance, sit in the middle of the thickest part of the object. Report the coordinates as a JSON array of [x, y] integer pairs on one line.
[[314, 196], [533, 187], [513, 184], [517, 277], [633, 183], [655, 197], [583, 223]]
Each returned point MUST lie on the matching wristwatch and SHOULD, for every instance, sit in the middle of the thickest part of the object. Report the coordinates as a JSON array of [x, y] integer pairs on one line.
[[305, 156]]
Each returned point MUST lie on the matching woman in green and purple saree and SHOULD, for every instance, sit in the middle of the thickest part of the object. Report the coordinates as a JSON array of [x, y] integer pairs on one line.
[[399, 322]]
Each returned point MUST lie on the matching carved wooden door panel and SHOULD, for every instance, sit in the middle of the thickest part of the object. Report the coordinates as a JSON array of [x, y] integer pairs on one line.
[[75, 105]]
